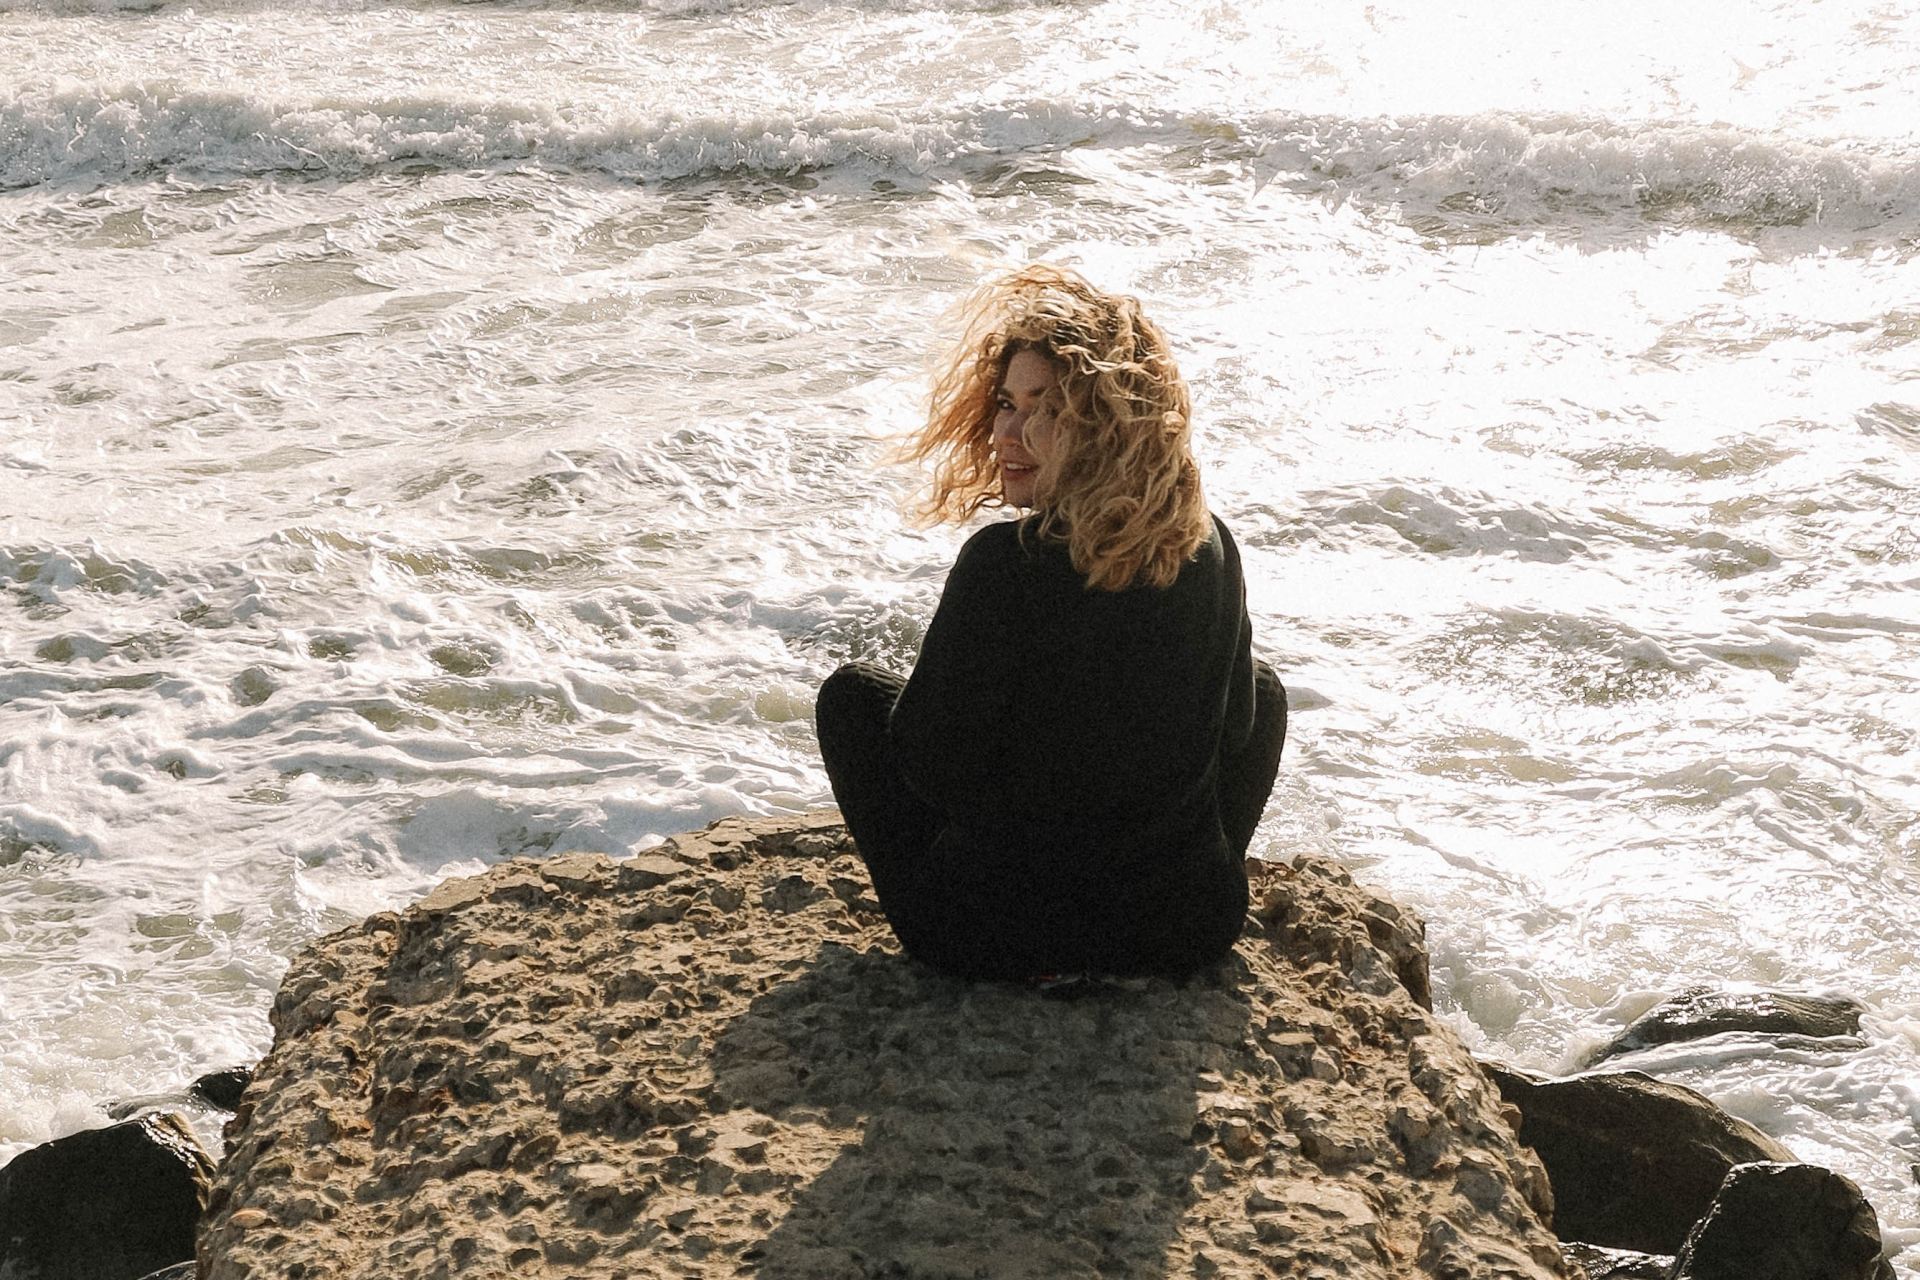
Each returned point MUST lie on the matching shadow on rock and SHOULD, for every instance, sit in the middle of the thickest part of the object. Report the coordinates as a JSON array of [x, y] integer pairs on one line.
[[994, 1130]]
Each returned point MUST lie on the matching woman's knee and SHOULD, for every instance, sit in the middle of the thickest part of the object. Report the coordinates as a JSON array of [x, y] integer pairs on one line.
[[855, 692], [1266, 680]]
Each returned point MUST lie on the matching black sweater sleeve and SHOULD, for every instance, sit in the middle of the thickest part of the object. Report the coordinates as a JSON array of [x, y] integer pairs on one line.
[[1237, 727], [947, 728]]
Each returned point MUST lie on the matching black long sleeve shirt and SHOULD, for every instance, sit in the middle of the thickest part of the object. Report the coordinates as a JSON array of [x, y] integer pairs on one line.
[[1071, 738]]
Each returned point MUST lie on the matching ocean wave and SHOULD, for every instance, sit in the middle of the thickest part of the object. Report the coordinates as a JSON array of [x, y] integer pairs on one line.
[[1519, 165], [666, 9], [1508, 167], [81, 131]]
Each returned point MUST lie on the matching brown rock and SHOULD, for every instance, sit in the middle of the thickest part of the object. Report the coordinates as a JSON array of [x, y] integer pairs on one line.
[[713, 1061]]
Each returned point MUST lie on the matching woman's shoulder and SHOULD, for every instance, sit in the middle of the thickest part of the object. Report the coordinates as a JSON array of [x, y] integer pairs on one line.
[[1010, 544], [1017, 546], [997, 538], [1220, 544], [991, 556]]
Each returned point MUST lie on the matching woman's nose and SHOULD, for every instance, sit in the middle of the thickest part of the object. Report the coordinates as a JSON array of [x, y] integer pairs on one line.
[[1009, 428]]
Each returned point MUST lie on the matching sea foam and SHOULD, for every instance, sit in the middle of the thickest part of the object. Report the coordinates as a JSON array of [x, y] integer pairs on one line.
[[1514, 166]]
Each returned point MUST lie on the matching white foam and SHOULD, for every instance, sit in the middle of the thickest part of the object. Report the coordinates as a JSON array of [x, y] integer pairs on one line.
[[1515, 167], [1519, 166], [77, 131]]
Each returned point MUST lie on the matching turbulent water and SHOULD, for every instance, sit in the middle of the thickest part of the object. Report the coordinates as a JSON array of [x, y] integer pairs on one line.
[[435, 432]]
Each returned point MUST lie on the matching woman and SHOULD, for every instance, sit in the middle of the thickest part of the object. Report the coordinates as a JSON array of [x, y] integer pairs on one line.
[[1070, 777]]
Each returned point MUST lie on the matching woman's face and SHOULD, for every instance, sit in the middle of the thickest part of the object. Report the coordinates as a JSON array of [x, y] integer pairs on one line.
[[1029, 376]]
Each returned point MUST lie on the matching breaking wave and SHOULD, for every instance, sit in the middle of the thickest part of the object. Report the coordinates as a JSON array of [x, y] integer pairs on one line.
[[1494, 163], [1513, 167], [78, 131]]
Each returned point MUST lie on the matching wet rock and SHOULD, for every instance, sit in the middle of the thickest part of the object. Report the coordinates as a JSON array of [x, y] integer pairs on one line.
[[1597, 1263], [222, 1089], [1634, 1161], [1785, 1222], [1703, 1012], [106, 1204], [711, 1060]]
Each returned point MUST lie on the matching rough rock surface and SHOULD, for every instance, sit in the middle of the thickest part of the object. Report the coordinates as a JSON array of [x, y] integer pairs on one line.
[[1785, 1222], [103, 1204], [1634, 1161], [1701, 1012], [709, 1060]]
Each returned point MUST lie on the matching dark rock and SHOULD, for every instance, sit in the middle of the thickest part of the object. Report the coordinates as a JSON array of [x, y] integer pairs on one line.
[[106, 1204], [179, 1271], [1616, 1264], [1785, 1222], [223, 1088], [1634, 1161], [1703, 1012]]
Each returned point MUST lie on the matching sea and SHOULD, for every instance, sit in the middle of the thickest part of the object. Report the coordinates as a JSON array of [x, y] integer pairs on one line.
[[441, 431]]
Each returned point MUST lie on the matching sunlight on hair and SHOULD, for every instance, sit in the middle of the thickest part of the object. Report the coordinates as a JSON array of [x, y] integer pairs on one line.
[[1117, 480]]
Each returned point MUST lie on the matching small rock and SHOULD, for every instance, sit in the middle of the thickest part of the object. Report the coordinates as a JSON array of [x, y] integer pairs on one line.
[[1703, 1012], [1238, 1139], [1785, 1222], [650, 871], [595, 1177], [747, 1148], [580, 872], [104, 1204], [223, 1088], [1269, 1195], [1633, 1161], [790, 894], [452, 895]]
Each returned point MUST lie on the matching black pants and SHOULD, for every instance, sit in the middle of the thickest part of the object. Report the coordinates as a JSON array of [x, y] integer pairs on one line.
[[896, 832]]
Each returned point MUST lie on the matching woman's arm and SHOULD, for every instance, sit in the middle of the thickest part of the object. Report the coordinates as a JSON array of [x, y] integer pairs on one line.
[[1237, 726], [950, 726]]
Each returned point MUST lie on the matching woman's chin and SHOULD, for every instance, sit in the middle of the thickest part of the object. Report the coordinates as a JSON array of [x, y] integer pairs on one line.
[[1017, 489]]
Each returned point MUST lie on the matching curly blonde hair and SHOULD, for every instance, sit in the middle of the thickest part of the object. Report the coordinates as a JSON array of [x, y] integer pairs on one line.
[[1116, 480]]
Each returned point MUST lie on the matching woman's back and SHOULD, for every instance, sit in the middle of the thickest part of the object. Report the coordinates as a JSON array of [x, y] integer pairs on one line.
[[1047, 719]]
